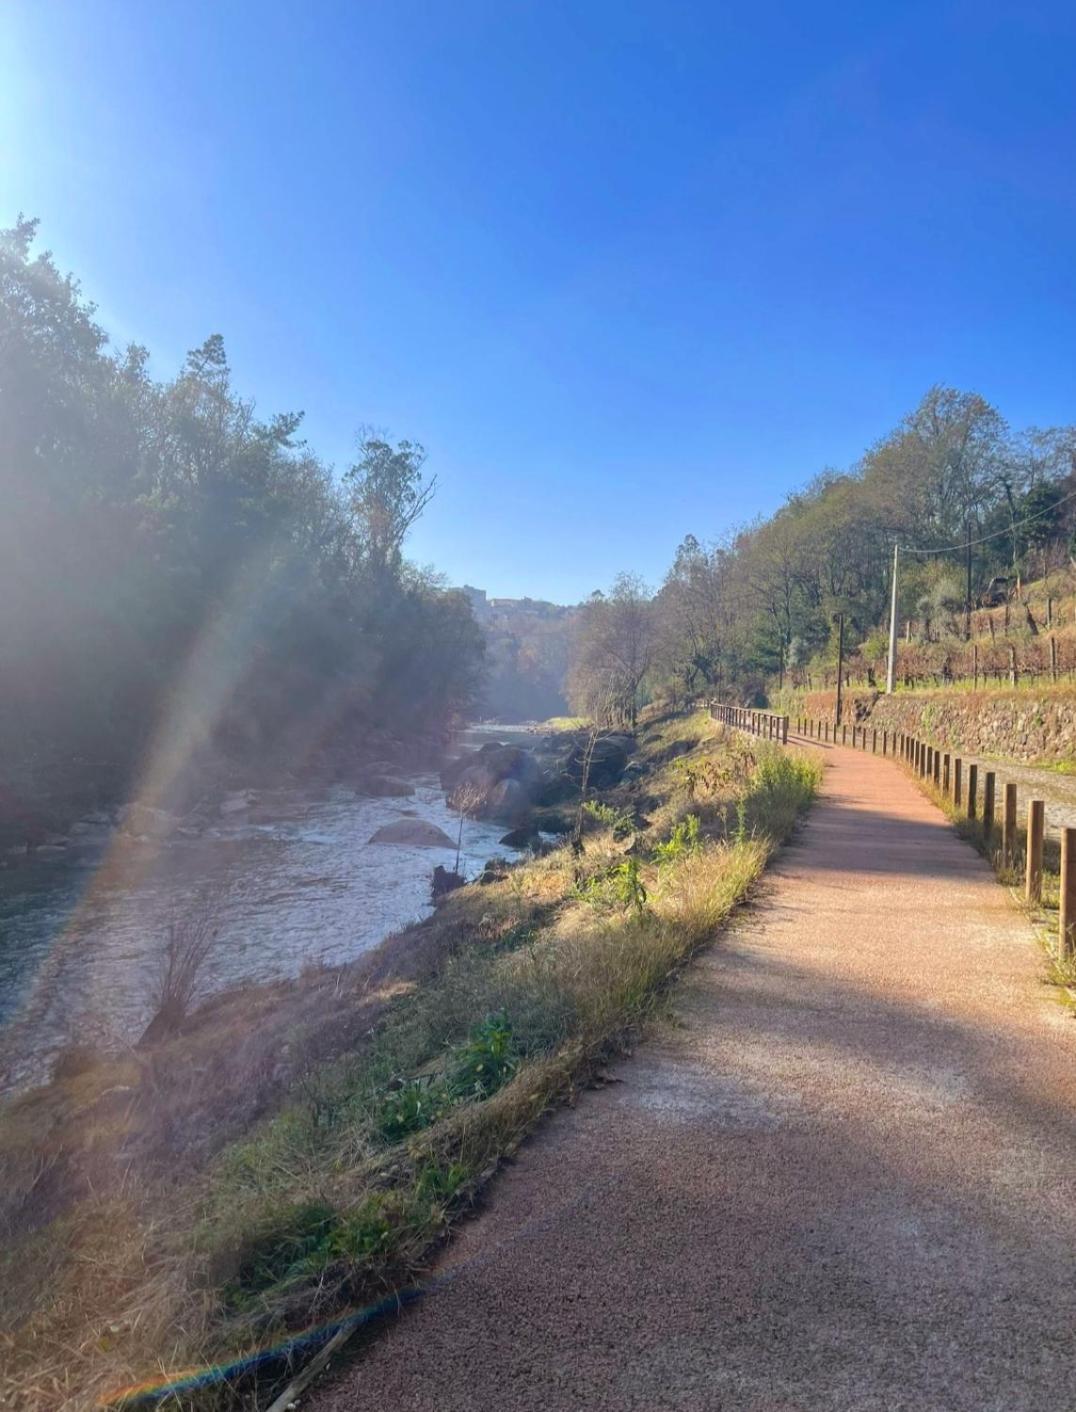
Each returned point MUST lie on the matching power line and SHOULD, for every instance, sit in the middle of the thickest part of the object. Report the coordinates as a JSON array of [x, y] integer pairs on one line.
[[966, 544]]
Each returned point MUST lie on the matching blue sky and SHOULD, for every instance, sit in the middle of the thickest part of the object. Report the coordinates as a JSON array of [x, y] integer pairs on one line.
[[627, 270]]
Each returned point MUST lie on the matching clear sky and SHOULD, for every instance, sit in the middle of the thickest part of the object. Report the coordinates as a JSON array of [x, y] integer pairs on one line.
[[628, 270]]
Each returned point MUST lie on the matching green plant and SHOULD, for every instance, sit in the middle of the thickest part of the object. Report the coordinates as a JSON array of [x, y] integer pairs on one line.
[[435, 1182], [621, 821], [683, 840], [628, 886], [487, 1060], [412, 1106]]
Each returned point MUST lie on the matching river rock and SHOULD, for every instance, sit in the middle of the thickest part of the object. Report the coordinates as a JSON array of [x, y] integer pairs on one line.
[[385, 787], [495, 782], [607, 761], [238, 801], [522, 837], [418, 833], [145, 821]]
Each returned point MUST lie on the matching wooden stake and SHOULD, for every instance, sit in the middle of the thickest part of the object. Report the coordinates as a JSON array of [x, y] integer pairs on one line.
[[958, 772], [1008, 826], [973, 790], [989, 781], [1066, 920], [1036, 827]]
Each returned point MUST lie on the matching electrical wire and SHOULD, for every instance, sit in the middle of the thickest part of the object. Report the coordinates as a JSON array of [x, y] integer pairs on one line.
[[966, 544]]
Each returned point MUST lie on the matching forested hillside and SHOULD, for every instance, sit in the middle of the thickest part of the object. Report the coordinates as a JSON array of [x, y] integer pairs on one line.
[[183, 578], [528, 643], [977, 508]]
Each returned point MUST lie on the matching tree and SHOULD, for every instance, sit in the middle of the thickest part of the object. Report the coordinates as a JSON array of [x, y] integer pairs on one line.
[[386, 494], [612, 652]]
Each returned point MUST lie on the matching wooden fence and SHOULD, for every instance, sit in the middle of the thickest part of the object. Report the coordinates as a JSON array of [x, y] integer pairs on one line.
[[770, 725], [976, 799]]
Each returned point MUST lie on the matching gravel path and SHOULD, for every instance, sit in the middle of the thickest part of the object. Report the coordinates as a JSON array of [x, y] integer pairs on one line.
[[845, 1179]]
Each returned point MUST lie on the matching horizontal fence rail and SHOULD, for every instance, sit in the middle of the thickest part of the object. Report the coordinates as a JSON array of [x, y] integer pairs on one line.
[[770, 725]]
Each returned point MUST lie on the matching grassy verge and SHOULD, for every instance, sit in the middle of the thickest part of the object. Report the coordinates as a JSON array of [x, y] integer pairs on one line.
[[344, 1193]]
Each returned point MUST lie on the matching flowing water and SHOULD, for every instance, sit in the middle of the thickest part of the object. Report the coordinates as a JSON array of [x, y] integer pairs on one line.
[[295, 883]]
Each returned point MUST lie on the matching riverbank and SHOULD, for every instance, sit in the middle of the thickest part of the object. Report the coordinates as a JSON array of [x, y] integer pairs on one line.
[[388, 1091], [293, 881]]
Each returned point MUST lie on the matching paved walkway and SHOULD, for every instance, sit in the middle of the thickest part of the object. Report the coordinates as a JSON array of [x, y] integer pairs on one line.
[[845, 1180]]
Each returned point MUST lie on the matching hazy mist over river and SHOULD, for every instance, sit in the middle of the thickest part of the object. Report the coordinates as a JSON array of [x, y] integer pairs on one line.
[[300, 885]]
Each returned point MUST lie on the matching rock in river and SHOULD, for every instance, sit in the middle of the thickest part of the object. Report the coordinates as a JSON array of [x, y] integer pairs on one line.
[[416, 832], [385, 787]]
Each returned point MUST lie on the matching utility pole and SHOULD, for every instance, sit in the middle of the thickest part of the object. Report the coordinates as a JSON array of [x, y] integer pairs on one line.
[[840, 662], [891, 669]]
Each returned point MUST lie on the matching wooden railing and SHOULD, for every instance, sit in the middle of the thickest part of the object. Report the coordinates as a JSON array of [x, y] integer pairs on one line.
[[770, 725], [973, 794]]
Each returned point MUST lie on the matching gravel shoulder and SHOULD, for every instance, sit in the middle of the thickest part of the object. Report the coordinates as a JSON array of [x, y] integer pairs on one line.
[[842, 1179]]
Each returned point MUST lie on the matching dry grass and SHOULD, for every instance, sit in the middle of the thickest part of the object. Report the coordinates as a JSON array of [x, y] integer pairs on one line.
[[344, 1192]]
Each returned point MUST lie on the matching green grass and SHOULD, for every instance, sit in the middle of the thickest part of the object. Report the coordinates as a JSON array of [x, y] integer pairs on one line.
[[563, 723]]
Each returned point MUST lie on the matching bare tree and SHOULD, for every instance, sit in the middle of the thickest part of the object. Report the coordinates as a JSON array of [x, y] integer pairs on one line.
[[612, 652], [189, 940]]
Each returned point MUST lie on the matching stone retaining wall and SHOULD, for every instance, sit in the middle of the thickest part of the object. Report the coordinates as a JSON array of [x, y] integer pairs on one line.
[[1016, 725]]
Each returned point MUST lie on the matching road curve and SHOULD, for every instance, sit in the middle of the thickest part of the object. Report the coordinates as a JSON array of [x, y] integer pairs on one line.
[[844, 1181]]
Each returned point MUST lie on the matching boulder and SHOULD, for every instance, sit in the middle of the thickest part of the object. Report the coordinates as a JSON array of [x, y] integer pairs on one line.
[[554, 787], [495, 782], [506, 802], [417, 833], [496, 870], [444, 882], [386, 787], [522, 837], [607, 761]]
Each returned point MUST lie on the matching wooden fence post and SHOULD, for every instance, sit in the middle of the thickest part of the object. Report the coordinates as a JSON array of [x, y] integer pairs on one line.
[[1036, 827], [945, 773], [874, 740], [1066, 919], [937, 768], [958, 771], [973, 790], [989, 780], [1008, 826]]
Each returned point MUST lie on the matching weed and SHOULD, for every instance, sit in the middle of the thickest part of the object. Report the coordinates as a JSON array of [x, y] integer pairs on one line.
[[683, 841], [486, 1061], [620, 821]]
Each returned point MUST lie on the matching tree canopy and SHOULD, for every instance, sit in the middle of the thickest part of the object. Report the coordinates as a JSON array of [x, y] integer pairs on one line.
[[172, 560]]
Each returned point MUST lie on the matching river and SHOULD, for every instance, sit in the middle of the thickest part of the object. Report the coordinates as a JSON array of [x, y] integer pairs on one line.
[[295, 883]]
